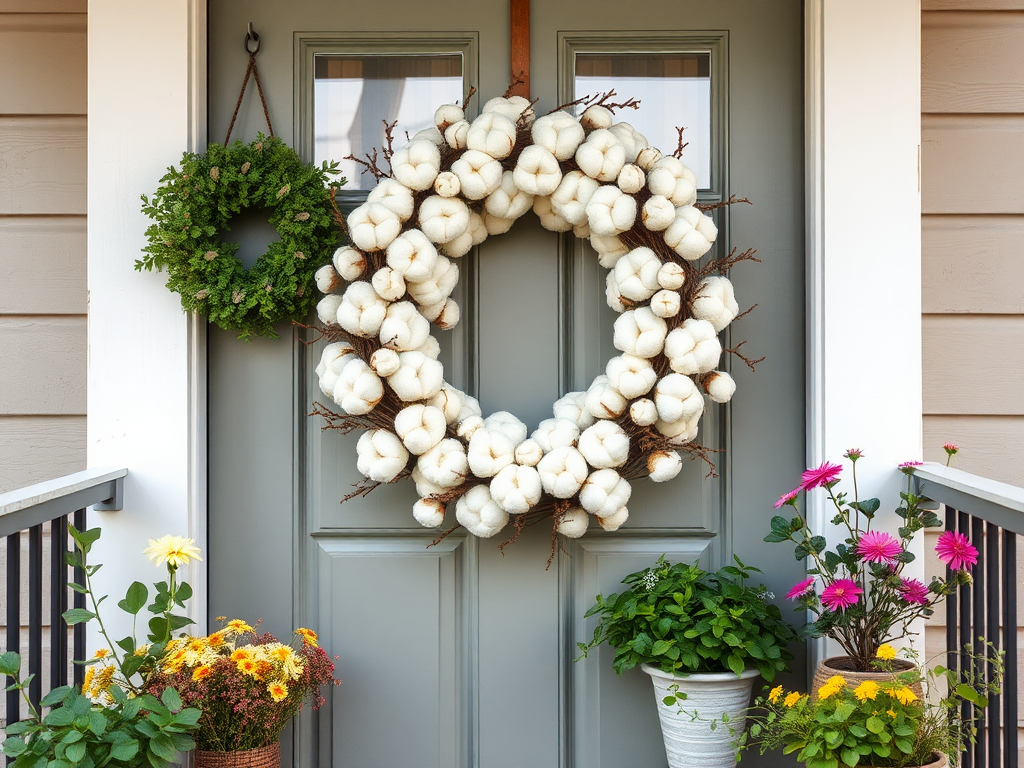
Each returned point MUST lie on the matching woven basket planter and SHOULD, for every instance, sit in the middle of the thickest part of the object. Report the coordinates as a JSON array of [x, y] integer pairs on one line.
[[842, 665], [262, 757]]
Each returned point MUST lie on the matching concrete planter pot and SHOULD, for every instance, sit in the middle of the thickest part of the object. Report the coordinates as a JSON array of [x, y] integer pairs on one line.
[[691, 742]]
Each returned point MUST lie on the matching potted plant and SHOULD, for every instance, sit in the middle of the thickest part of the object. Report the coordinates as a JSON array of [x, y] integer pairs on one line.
[[703, 638], [857, 590], [883, 723]]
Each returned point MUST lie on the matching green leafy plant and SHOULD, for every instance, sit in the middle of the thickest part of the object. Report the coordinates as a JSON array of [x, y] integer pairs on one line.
[[684, 620]]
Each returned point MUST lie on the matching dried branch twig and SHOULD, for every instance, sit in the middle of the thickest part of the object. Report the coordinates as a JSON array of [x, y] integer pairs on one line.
[[723, 204], [752, 364], [680, 146]]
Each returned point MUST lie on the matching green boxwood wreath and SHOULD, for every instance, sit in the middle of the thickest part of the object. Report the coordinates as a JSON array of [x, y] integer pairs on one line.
[[194, 206]]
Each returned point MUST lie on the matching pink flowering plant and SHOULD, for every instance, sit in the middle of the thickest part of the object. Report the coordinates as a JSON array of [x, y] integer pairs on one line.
[[857, 590]]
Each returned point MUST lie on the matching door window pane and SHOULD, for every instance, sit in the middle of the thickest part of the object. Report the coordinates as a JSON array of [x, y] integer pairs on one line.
[[674, 89], [352, 93]]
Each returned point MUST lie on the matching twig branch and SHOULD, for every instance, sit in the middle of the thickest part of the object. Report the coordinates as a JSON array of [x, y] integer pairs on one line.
[[517, 80], [362, 488], [752, 364], [680, 146], [337, 215], [469, 95], [712, 206], [744, 313], [370, 164], [389, 140], [603, 101]]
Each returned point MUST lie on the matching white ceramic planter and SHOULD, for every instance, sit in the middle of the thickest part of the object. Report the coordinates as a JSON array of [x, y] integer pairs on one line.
[[690, 743]]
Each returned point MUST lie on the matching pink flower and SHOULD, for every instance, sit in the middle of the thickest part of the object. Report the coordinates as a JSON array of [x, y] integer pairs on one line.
[[787, 498], [956, 550], [853, 454], [879, 547], [951, 448], [913, 591], [841, 594], [823, 475], [907, 467], [800, 589]]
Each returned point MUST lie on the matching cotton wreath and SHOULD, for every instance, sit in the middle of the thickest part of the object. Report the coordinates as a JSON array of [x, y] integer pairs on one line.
[[450, 189]]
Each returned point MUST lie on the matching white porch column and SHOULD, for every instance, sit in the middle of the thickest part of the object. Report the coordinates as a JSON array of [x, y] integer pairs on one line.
[[146, 374]]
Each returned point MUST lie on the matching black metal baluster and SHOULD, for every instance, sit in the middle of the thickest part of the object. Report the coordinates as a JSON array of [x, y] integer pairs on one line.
[[79, 600], [35, 613], [58, 602], [963, 526], [1010, 647], [13, 617], [993, 587], [977, 627]]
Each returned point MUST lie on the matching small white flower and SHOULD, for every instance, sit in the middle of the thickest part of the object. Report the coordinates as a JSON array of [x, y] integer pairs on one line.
[[479, 173], [515, 489], [418, 377], [720, 386], [604, 445], [537, 171], [605, 492], [664, 465], [693, 347], [416, 164], [380, 455], [562, 472], [573, 523], [394, 195], [610, 211], [372, 226], [716, 302], [420, 427], [649, 580], [492, 133], [639, 332], [478, 513], [601, 156], [361, 310], [559, 133], [443, 219]]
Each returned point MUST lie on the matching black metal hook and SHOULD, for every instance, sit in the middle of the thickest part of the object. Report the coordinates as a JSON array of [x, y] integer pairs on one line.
[[250, 38]]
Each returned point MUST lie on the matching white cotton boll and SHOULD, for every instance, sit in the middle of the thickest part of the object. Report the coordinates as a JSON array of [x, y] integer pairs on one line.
[[664, 465], [605, 492], [449, 315], [327, 278], [477, 227], [691, 233], [349, 262], [437, 287], [332, 362], [677, 397], [570, 199], [582, 231], [610, 211], [611, 293], [669, 177], [647, 158], [630, 375], [432, 135], [394, 195], [358, 388], [603, 400], [556, 433], [508, 201], [442, 219], [380, 455], [361, 310], [573, 406], [490, 451], [456, 134], [559, 133], [416, 164], [496, 225], [404, 328], [614, 521], [385, 362], [601, 156], [492, 133], [636, 274], [550, 219], [447, 184], [640, 332], [449, 401], [505, 422], [562, 472], [716, 302], [609, 249], [478, 513], [372, 227], [428, 512], [720, 386], [420, 427], [666, 304], [479, 173], [470, 407], [418, 377], [596, 117], [643, 412], [388, 284], [468, 425], [515, 489], [658, 213], [445, 464], [537, 171], [631, 179], [458, 247], [604, 445], [693, 347], [512, 107], [625, 133], [529, 453], [679, 432], [431, 348], [671, 276], [412, 255], [433, 311], [327, 309], [448, 115], [573, 523], [424, 487]]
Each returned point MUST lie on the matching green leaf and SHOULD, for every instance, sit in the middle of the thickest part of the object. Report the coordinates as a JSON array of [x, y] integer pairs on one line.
[[171, 699], [85, 539], [97, 722], [875, 725], [867, 507], [77, 615], [135, 599], [14, 746], [56, 696], [10, 664], [75, 752], [124, 751], [163, 747]]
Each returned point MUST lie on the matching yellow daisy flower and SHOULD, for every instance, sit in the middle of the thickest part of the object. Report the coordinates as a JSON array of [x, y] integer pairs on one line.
[[886, 652], [241, 654], [836, 680], [216, 640], [904, 695], [283, 653], [200, 673], [278, 691], [309, 637], [102, 653], [890, 713], [90, 672], [866, 690], [792, 699], [237, 626], [173, 550], [775, 694], [248, 667]]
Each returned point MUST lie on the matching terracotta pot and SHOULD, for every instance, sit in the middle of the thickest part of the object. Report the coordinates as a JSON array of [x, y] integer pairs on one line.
[[843, 665], [261, 757]]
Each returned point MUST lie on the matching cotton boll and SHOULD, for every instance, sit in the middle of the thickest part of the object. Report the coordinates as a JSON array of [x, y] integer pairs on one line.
[[332, 362], [358, 388], [388, 284], [614, 521], [424, 487], [416, 164], [432, 311], [508, 201], [385, 362], [447, 115], [349, 262], [327, 309], [720, 386], [643, 412], [372, 227], [431, 348], [596, 117], [449, 401], [582, 231], [506, 423], [492, 133], [468, 425], [438, 286], [664, 465], [445, 464], [669, 177], [666, 304], [470, 407], [693, 347], [456, 134], [420, 427], [432, 135], [477, 227], [418, 377], [428, 512], [601, 156], [611, 293], [691, 233], [556, 433], [394, 195], [626, 135], [380, 455], [603, 400], [631, 179], [537, 171], [447, 184], [512, 107], [496, 225], [573, 523], [490, 451], [478, 513], [604, 445], [570, 199], [677, 397], [559, 133], [449, 315], [716, 302], [412, 255], [630, 375], [610, 211], [605, 492], [647, 158], [479, 173], [573, 406], [562, 472], [458, 247], [549, 218], [361, 310], [529, 453], [443, 219], [658, 213], [679, 432], [515, 489], [609, 249], [639, 332], [636, 274], [327, 278], [671, 276], [404, 328]]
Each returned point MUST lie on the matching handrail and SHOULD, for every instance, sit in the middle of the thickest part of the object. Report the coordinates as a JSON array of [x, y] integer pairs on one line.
[[991, 500], [35, 504]]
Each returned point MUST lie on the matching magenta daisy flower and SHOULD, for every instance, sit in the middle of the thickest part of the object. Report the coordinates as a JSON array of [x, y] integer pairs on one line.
[[879, 547], [908, 467], [800, 589], [787, 498], [823, 475], [853, 454], [913, 591], [956, 550], [951, 448], [841, 594]]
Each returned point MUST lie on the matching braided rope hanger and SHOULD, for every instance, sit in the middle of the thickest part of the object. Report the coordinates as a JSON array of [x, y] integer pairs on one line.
[[251, 38]]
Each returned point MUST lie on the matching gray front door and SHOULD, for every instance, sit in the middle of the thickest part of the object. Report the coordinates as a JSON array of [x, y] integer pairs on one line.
[[461, 654]]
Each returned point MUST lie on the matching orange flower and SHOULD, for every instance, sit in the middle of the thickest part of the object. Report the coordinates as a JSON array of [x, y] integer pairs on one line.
[[278, 691], [283, 653], [308, 636], [248, 667], [238, 626], [102, 653], [201, 673], [216, 640], [241, 654]]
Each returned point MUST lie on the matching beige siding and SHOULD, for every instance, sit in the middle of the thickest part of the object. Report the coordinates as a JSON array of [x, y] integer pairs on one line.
[[43, 265], [45, 49]]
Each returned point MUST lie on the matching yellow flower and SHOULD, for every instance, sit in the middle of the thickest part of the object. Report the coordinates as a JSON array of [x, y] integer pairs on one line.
[[241, 654], [199, 673], [890, 713], [904, 695], [237, 626], [248, 667], [775, 693], [174, 550], [142, 650], [278, 691], [104, 679], [866, 690], [309, 637], [837, 680], [216, 640], [102, 653], [886, 652], [87, 682], [792, 699], [282, 653]]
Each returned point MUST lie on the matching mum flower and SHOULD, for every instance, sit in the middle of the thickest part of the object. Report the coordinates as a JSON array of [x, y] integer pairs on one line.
[[308, 636], [174, 550], [788, 498], [240, 654], [956, 550], [866, 690], [834, 685], [775, 693], [886, 652], [841, 594], [913, 591], [951, 449], [879, 547], [800, 589], [248, 667], [216, 639], [904, 695], [200, 673], [820, 476], [792, 699], [278, 691], [237, 626], [101, 653]]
